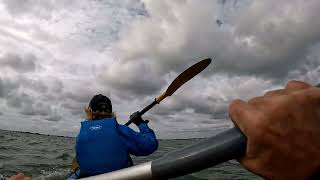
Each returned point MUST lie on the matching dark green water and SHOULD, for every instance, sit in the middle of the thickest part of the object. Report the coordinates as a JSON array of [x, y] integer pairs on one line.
[[49, 157]]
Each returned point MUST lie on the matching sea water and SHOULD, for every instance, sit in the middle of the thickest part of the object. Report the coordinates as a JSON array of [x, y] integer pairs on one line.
[[49, 157]]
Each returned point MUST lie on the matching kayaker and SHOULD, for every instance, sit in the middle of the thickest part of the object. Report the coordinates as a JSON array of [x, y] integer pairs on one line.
[[283, 132], [103, 145]]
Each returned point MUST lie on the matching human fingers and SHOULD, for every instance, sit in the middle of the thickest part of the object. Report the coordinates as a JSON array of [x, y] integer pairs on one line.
[[14, 177], [277, 92], [261, 102], [19, 176], [296, 85], [311, 94], [239, 112], [256, 100], [291, 86]]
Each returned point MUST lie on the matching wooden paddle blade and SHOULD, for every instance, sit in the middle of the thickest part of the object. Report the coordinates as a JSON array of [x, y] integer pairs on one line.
[[161, 97], [187, 75]]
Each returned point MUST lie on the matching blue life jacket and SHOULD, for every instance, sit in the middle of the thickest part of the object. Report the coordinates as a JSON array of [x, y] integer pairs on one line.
[[99, 148]]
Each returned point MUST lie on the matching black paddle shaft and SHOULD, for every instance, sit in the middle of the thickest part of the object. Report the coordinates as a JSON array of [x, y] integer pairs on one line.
[[143, 111], [223, 147]]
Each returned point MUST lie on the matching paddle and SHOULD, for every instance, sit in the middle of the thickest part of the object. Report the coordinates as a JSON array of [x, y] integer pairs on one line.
[[176, 84]]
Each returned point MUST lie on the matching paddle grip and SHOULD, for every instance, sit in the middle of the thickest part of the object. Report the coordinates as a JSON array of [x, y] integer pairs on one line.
[[143, 111], [220, 148]]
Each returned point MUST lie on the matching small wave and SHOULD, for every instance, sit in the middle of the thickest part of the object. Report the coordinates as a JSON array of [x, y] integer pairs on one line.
[[37, 156], [54, 151], [44, 150], [33, 143], [9, 148], [2, 177], [54, 174], [64, 156], [4, 158]]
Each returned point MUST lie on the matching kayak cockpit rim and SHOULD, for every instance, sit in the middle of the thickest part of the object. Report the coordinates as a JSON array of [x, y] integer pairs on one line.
[[141, 172]]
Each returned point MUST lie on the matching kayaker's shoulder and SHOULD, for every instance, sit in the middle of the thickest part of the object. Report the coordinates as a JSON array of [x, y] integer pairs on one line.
[[122, 127]]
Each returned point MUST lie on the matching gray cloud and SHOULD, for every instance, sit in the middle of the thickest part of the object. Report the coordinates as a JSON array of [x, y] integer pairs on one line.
[[35, 85], [7, 86], [37, 108], [18, 101], [57, 86], [10, 86], [41, 9], [75, 108], [54, 117], [29, 97], [80, 96], [27, 105], [136, 78], [18, 63], [253, 41]]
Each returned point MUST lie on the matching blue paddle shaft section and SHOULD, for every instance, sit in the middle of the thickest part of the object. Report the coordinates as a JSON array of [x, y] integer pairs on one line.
[[225, 146]]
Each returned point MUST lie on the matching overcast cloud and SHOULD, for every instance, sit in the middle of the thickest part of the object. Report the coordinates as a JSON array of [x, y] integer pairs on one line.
[[55, 55]]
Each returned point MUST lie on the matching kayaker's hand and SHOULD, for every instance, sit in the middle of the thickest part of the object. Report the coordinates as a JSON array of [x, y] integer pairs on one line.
[[137, 119], [283, 131], [19, 176]]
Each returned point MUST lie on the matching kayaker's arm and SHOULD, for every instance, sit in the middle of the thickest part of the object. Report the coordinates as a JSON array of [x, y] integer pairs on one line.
[[140, 143]]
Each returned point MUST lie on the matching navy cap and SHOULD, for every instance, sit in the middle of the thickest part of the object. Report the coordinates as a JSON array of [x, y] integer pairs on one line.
[[100, 103]]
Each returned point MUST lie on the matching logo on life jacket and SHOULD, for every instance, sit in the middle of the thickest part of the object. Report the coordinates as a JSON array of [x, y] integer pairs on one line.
[[97, 127]]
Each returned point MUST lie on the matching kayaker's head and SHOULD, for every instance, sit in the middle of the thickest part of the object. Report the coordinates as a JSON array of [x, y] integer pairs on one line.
[[99, 107]]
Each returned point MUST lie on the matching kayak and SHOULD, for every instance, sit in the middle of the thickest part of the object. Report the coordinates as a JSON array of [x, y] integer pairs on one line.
[[220, 148]]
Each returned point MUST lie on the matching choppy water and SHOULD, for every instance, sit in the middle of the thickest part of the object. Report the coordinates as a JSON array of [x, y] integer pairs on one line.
[[49, 157]]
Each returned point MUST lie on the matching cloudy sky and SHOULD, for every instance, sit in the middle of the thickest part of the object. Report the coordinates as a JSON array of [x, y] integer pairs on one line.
[[55, 55]]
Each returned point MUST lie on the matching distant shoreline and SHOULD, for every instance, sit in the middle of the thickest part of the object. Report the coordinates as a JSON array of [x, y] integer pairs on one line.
[[34, 133]]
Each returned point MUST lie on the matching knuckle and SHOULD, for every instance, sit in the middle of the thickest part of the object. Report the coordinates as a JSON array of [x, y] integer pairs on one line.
[[294, 84], [260, 126], [234, 105], [256, 100], [299, 98], [253, 100], [275, 93]]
